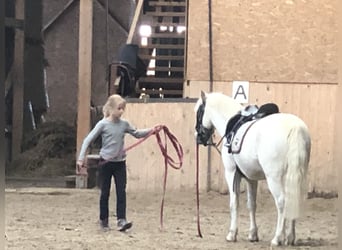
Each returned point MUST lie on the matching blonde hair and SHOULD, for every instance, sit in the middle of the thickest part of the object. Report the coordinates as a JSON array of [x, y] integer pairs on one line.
[[112, 102]]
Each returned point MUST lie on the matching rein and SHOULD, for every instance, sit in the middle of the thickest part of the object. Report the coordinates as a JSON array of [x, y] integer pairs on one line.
[[216, 145], [197, 181], [197, 191]]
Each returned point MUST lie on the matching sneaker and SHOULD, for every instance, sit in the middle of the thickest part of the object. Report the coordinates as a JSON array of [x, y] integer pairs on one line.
[[123, 225], [104, 224]]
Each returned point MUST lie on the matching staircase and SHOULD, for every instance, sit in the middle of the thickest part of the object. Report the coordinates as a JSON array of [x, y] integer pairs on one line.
[[163, 50]]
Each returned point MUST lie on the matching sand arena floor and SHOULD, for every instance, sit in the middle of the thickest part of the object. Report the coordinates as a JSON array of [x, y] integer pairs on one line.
[[60, 218]]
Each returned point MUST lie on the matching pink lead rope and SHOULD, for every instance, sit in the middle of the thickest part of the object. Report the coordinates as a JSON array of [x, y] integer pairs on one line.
[[167, 159]]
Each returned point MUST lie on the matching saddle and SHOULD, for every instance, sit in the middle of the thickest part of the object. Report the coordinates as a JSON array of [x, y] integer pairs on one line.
[[249, 113]]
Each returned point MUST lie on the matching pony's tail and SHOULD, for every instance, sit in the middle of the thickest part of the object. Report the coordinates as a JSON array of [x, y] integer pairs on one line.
[[297, 165]]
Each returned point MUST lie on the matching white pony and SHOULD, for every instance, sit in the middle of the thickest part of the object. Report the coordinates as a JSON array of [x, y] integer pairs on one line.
[[275, 148]]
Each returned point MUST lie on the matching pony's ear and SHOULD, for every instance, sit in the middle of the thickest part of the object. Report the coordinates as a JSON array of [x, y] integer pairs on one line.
[[203, 96]]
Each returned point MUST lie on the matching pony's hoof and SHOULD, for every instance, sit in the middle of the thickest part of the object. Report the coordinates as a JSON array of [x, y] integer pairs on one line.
[[275, 242], [253, 236], [231, 236], [290, 241]]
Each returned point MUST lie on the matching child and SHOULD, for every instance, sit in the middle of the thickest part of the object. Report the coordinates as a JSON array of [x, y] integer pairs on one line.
[[113, 159]]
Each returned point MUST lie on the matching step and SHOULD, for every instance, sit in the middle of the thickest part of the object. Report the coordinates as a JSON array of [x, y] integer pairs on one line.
[[157, 24], [167, 3], [172, 69], [153, 40], [168, 35], [164, 46], [157, 57], [162, 80], [165, 14]]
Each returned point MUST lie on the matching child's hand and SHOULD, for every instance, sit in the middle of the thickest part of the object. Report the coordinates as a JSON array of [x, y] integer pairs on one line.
[[80, 164], [157, 128], [80, 167]]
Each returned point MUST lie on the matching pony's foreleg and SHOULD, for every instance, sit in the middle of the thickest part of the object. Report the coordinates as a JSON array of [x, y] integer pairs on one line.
[[234, 191], [252, 187]]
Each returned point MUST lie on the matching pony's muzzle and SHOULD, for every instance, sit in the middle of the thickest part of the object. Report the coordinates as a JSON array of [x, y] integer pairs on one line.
[[202, 140]]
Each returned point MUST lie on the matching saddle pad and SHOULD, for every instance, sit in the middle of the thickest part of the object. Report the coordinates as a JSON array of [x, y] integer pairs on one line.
[[239, 137]]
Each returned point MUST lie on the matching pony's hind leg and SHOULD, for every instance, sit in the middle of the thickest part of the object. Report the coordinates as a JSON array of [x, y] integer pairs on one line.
[[290, 232], [252, 187], [234, 191], [278, 195]]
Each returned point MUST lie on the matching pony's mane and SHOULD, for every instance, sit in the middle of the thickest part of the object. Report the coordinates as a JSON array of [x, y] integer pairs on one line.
[[220, 102], [223, 103]]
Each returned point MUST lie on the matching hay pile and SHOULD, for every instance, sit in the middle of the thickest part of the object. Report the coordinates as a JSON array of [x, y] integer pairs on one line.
[[48, 151]]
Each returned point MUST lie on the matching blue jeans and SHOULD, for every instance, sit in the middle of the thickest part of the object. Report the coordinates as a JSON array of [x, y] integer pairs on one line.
[[118, 170]]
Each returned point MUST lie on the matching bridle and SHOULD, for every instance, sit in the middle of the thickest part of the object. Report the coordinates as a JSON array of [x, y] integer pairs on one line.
[[203, 134]]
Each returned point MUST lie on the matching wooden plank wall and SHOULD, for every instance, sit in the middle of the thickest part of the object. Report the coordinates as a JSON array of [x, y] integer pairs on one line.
[[264, 41], [146, 165]]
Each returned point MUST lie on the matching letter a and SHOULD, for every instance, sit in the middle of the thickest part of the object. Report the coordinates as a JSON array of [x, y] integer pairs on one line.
[[240, 91]]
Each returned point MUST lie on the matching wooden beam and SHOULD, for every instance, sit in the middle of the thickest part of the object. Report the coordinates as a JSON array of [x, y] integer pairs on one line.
[[84, 80], [135, 21], [34, 86], [338, 113], [58, 15], [18, 84], [3, 151]]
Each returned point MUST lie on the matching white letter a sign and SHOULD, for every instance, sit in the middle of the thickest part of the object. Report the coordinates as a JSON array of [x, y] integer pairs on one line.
[[241, 91]]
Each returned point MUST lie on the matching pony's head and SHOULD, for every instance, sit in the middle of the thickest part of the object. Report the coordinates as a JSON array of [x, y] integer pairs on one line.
[[204, 127], [213, 111]]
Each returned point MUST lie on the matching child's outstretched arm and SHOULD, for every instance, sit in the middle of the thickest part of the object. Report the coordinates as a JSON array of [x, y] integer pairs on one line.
[[93, 134]]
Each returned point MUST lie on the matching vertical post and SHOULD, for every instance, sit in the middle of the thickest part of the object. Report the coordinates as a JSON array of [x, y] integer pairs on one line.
[[84, 80], [338, 121], [18, 83], [2, 106], [34, 88], [211, 80], [2, 112]]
